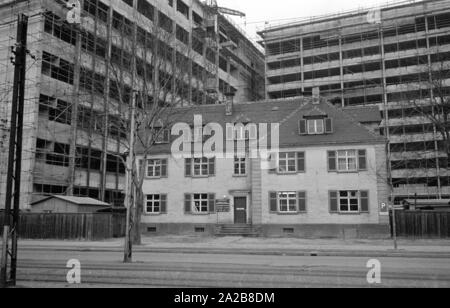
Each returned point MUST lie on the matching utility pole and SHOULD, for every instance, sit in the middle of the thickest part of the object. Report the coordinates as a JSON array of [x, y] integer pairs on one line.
[[11, 219], [128, 248]]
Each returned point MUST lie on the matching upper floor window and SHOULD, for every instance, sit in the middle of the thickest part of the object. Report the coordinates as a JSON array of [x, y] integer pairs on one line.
[[156, 204], [242, 132], [157, 168], [316, 126], [200, 167], [240, 166], [162, 136], [347, 160], [291, 162]]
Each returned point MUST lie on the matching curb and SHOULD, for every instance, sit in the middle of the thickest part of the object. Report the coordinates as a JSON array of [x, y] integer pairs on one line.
[[267, 252]]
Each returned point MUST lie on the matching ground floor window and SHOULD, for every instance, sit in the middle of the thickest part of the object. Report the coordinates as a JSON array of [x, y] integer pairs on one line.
[[349, 201], [200, 203], [156, 204], [287, 202]]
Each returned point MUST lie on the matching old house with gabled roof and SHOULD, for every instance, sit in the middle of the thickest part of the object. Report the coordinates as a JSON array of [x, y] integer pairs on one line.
[[328, 180]]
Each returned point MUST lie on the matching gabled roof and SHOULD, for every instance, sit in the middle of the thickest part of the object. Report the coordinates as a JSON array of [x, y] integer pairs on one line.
[[76, 201], [287, 112]]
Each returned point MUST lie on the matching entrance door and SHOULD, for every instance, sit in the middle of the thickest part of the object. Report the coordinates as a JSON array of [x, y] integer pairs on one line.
[[240, 210]]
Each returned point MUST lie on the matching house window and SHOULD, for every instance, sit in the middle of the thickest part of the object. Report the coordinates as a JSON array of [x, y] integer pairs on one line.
[[347, 160], [288, 202], [316, 127], [162, 136], [156, 204], [157, 168], [200, 167], [240, 166], [349, 201], [291, 162], [200, 203], [287, 162]]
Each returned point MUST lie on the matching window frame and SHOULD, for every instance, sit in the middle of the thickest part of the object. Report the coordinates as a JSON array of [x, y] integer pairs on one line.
[[316, 131], [204, 161], [162, 136], [153, 206], [238, 163], [347, 159], [157, 163], [201, 200], [287, 159], [348, 198], [287, 199]]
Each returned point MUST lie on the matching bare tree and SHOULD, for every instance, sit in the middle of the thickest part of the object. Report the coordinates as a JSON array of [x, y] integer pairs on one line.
[[159, 70]]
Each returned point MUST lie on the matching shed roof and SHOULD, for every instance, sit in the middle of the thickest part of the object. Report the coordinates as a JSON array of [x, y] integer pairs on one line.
[[76, 201]]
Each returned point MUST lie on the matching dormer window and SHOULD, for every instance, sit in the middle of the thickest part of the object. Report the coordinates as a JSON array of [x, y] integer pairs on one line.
[[316, 126]]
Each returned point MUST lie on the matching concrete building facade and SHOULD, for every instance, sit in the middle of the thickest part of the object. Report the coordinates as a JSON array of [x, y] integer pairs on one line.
[[388, 57], [75, 100], [328, 180]]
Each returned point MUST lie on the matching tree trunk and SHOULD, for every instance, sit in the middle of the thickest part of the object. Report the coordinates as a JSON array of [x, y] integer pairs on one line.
[[137, 238]]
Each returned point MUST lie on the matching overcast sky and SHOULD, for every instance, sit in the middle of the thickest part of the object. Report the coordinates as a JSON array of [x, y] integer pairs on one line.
[[276, 11]]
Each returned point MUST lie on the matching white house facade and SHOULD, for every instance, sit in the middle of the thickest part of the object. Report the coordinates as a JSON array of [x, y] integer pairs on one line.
[[329, 179]]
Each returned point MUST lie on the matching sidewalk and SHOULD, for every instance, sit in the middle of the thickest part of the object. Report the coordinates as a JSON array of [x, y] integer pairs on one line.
[[254, 246]]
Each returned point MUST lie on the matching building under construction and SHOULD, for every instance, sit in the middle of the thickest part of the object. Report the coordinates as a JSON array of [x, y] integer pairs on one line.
[[79, 83], [388, 56]]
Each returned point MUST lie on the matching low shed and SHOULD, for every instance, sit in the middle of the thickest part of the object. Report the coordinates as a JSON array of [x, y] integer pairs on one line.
[[64, 204]]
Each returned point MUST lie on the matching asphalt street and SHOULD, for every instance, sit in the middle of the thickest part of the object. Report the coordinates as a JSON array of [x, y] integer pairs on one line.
[[38, 268]]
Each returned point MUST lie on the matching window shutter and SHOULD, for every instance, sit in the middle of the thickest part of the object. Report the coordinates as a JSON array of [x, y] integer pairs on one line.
[[212, 167], [329, 126], [302, 128], [187, 203], [167, 136], [301, 195], [188, 167], [301, 162], [212, 203], [163, 204], [332, 161], [364, 201], [362, 160], [334, 202], [273, 202], [164, 168]]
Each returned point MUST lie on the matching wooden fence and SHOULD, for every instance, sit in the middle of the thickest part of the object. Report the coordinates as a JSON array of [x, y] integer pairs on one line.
[[422, 224], [90, 227]]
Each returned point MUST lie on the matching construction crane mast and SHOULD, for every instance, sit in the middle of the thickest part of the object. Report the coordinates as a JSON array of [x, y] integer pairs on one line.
[[213, 42]]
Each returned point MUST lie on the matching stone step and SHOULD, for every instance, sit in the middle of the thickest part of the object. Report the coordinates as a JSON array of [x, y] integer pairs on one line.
[[236, 230]]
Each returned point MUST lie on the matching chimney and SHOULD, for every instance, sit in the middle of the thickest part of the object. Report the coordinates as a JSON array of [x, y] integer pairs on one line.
[[316, 95], [229, 103]]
